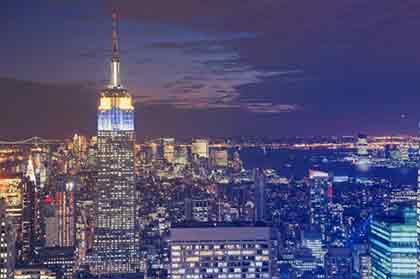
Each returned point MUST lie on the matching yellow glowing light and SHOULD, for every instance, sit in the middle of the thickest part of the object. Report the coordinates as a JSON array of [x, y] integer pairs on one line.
[[125, 103], [105, 103], [10, 190]]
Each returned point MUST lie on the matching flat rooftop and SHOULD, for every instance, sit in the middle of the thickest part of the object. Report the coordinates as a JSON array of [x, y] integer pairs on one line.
[[220, 233]]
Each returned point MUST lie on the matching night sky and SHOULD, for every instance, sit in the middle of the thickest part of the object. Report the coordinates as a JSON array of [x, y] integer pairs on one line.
[[214, 67]]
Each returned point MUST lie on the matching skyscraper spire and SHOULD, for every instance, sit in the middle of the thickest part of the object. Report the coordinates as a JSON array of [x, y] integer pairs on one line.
[[115, 80], [115, 54]]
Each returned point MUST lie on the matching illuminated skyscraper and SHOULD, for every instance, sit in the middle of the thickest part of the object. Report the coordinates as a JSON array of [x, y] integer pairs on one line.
[[393, 246], [116, 241], [60, 226], [418, 221], [7, 243], [318, 203]]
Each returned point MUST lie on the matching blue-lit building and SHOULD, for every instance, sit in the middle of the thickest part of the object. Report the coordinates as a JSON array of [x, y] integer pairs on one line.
[[115, 248], [393, 245]]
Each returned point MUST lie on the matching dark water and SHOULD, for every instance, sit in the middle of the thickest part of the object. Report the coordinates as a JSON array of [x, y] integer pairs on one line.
[[296, 163]]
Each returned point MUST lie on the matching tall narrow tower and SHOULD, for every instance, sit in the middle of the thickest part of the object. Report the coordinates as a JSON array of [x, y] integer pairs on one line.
[[116, 240]]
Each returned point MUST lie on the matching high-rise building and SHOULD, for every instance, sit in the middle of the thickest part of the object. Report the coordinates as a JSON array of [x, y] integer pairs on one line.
[[7, 243], [313, 241], [393, 245], [197, 210], [362, 146], [219, 158], [338, 263], [404, 151], [60, 225], [60, 260], [418, 219], [168, 145], [365, 270], [222, 251], [11, 190], [362, 264], [26, 241], [318, 204], [115, 248], [260, 196], [200, 148]]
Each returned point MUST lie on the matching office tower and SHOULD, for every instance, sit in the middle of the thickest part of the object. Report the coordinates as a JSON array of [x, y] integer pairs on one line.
[[219, 158], [80, 148], [19, 195], [404, 194], [200, 148], [36, 176], [116, 241], [237, 163], [404, 151], [197, 210], [318, 203], [338, 263], [182, 155], [26, 242], [51, 230], [11, 190], [304, 264], [362, 264], [222, 251], [60, 260], [313, 241], [393, 245], [7, 243], [168, 145], [362, 146], [66, 212], [365, 270], [61, 218], [418, 220], [260, 197]]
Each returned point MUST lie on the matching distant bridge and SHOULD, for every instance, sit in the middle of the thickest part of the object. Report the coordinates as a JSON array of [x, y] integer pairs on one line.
[[37, 141]]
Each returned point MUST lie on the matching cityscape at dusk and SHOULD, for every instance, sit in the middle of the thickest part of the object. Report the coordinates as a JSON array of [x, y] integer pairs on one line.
[[214, 139]]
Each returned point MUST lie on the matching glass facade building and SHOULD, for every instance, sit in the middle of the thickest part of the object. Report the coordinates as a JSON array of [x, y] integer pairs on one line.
[[393, 246]]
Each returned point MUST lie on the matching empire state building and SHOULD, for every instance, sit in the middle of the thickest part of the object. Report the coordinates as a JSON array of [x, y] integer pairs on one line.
[[115, 247]]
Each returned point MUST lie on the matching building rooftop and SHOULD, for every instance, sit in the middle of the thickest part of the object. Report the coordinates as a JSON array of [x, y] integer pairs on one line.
[[220, 233]]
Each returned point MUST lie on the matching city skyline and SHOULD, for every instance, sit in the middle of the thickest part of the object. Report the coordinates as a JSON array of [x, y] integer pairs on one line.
[[299, 66], [223, 139]]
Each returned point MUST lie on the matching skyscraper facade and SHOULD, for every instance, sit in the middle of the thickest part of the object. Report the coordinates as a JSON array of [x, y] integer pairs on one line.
[[318, 204], [61, 223], [116, 241], [222, 252], [7, 243], [393, 246], [338, 263], [418, 221]]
